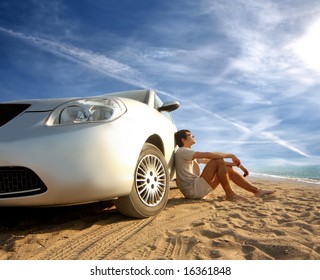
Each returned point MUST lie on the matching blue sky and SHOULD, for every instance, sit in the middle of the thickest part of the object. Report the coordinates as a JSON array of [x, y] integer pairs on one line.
[[246, 72]]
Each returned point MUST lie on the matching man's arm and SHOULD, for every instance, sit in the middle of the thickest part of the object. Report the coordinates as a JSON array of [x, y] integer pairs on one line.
[[216, 155]]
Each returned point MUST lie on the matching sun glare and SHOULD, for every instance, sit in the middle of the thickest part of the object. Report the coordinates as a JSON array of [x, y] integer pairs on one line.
[[307, 47]]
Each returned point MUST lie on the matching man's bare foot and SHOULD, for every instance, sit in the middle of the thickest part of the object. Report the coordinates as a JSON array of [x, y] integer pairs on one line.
[[261, 193], [236, 197]]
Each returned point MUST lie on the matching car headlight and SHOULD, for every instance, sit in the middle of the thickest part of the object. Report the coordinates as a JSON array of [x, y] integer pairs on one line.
[[87, 111]]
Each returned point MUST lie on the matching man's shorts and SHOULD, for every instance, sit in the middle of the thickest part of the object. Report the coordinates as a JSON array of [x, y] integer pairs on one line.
[[201, 188], [196, 190]]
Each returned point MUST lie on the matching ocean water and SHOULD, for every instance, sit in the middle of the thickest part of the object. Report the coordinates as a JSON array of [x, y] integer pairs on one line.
[[304, 174]]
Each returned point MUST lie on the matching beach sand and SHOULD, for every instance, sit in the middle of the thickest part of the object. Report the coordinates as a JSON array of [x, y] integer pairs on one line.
[[282, 226]]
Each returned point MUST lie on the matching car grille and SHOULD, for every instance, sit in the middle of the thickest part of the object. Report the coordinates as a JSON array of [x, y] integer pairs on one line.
[[10, 111], [19, 181]]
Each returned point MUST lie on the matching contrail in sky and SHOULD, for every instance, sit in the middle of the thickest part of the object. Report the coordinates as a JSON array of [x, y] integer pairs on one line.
[[90, 59], [127, 74], [265, 134]]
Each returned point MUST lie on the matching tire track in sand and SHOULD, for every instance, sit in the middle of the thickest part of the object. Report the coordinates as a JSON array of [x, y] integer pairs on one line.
[[106, 239], [95, 242], [160, 240]]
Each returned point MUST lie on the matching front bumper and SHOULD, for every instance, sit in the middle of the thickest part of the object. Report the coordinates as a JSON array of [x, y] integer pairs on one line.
[[77, 163]]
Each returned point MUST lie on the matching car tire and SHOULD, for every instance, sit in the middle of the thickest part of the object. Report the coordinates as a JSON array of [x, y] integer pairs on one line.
[[149, 194]]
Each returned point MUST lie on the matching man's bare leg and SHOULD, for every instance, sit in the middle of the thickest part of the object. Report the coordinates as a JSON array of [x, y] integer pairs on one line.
[[215, 172], [245, 184]]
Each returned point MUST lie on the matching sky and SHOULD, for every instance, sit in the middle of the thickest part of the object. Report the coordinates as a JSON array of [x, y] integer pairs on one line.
[[246, 72]]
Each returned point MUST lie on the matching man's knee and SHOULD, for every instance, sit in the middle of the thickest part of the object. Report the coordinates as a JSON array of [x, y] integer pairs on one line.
[[216, 162]]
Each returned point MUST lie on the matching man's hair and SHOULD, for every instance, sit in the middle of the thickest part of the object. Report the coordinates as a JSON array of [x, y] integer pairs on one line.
[[179, 135]]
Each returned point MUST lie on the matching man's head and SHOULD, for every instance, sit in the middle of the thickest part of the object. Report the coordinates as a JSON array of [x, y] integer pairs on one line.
[[182, 137]]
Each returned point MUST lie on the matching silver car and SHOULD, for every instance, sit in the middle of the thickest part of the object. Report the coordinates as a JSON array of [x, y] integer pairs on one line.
[[118, 146]]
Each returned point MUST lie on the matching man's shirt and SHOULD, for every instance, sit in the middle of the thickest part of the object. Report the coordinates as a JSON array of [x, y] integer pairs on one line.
[[187, 169]]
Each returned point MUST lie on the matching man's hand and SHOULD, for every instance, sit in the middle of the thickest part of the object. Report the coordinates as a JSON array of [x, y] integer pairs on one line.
[[245, 170], [236, 161]]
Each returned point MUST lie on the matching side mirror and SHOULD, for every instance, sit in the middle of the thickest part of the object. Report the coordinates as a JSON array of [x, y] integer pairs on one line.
[[169, 106]]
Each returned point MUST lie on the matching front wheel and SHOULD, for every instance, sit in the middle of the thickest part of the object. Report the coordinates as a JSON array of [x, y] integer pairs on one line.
[[149, 194]]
